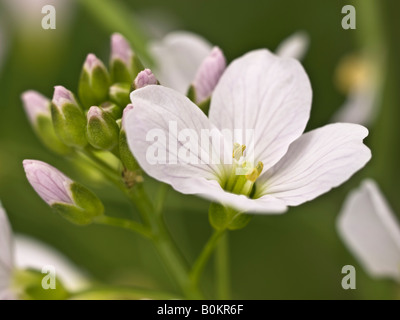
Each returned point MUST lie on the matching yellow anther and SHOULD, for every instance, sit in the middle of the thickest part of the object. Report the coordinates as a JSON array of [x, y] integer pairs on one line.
[[238, 151], [255, 172]]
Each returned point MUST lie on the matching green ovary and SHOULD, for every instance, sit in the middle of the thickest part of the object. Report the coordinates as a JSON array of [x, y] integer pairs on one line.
[[243, 174]]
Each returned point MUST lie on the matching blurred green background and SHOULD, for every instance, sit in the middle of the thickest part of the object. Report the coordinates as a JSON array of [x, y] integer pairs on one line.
[[297, 255]]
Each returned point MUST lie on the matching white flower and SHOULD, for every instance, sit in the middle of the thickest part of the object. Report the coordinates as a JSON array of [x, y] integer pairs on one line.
[[369, 228], [22, 252], [271, 96], [361, 79], [180, 55]]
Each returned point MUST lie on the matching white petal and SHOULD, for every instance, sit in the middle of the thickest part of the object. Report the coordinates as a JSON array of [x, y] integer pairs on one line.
[[154, 108], [157, 109], [360, 106], [317, 162], [369, 228], [6, 252], [294, 46], [31, 253], [211, 190], [177, 57], [265, 93]]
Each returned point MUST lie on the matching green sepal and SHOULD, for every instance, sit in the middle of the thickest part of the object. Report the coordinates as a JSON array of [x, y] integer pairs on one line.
[[120, 72], [119, 93], [70, 125], [222, 218], [112, 109], [103, 132], [191, 94], [87, 206], [205, 106], [93, 88], [44, 129]]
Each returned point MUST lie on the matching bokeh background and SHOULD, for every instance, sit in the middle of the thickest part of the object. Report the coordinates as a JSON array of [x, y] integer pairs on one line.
[[297, 255]]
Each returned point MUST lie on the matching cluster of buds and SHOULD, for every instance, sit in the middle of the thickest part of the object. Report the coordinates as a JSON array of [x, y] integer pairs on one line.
[[90, 121]]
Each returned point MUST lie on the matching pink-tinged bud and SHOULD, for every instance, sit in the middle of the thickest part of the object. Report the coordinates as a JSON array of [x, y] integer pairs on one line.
[[128, 108], [92, 62], [49, 183], [63, 96], [208, 74], [120, 49], [70, 199], [145, 78], [35, 104]]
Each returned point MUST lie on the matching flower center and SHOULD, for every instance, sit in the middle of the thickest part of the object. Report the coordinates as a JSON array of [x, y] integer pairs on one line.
[[243, 174]]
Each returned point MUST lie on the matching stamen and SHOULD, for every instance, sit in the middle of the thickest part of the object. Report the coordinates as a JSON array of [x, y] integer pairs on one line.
[[255, 172], [238, 151], [243, 174]]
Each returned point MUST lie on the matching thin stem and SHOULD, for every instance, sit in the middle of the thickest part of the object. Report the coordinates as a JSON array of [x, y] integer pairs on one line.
[[204, 256], [164, 243], [161, 196], [125, 224], [222, 268]]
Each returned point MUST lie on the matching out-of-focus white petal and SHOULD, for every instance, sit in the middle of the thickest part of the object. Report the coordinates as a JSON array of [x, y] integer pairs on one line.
[[31, 253], [156, 107], [317, 162], [265, 93], [294, 46], [370, 230], [6, 255], [178, 57], [359, 107]]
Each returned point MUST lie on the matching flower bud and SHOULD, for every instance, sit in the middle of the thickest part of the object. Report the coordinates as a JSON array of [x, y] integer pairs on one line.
[[112, 109], [94, 82], [38, 110], [208, 75], [145, 78], [70, 199], [124, 65], [119, 93], [68, 118], [126, 156], [102, 130]]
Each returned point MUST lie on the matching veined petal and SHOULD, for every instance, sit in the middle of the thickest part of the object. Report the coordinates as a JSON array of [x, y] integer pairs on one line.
[[156, 108], [178, 57], [6, 253], [211, 190], [370, 230], [317, 162], [164, 130], [33, 254], [295, 46], [265, 93]]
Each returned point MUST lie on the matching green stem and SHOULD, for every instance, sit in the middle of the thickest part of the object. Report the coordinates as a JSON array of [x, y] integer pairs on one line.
[[222, 268], [164, 243], [161, 196], [204, 256], [125, 224]]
